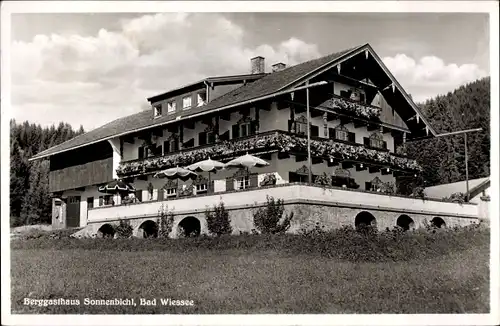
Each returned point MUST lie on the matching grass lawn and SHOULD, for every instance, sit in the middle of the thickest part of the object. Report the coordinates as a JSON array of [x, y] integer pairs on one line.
[[264, 277]]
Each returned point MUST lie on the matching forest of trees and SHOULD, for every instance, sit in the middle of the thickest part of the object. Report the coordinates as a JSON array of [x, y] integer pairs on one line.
[[443, 159], [30, 200]]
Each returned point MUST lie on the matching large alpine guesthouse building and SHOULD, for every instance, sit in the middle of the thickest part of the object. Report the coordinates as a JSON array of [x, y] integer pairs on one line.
[[331, 131]]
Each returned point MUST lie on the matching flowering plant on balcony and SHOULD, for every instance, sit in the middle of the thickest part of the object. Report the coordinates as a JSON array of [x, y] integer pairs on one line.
[[280, 141], [357, 109]]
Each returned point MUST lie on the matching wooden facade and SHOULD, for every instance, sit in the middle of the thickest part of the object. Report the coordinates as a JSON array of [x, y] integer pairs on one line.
[[77, 176]]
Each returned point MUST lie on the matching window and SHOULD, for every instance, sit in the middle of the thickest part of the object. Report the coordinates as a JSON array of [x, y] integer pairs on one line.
[[341, 133], [242, 183], [377, 141], [300, 127], [245, 129], [157, 110], [90, 202], [186, 102], [140, 154], [108, 200], [171, 107], [201, 98], [170, 146], [201, 188], [170, 192]]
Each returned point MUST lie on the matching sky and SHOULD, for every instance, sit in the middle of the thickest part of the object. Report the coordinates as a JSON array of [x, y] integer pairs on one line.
[[89, 69]]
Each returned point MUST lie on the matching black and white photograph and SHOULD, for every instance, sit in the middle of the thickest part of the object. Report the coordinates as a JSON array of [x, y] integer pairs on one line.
[[250, 163]]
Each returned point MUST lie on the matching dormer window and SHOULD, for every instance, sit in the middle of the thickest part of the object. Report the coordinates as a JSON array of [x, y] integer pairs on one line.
[[157, 110], [186, 102], [201, 98], [171, 107]]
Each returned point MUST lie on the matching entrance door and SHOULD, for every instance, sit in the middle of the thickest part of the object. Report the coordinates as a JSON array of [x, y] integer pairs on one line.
[[73, 212]]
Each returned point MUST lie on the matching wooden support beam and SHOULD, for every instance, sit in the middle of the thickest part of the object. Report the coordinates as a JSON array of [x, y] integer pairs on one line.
[[225, 116], [300, 158], [361, 167], [128, 139], [333, 162], [283, 155], [189, 124], [316, 160], [347, 165], [266, 156], [385, 171], [359, 123], [316, 113]]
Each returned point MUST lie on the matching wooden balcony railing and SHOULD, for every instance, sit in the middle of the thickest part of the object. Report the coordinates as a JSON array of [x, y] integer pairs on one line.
[[271, 141]]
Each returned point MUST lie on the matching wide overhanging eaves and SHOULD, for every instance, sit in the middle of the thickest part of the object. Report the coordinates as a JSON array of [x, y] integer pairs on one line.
[[371, 66]]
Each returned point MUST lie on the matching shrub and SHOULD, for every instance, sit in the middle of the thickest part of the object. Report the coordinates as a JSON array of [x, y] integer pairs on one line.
[[418, 192], [218, 221], [165, 221], [457, 197], [323, 180], [124, 229], [269, 179], [269, 219], [315, 231]]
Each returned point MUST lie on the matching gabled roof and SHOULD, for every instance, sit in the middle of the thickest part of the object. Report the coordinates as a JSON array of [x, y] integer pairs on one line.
[[260, 89]]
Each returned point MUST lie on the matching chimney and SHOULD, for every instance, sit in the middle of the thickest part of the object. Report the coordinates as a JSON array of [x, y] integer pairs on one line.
[[278, 66], [258, 65]]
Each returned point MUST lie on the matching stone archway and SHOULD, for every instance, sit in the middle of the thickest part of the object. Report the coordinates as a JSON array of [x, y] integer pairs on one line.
[[438, 222], [149, 229], [189, 227], [405, 222], [364, 220], [106, 231]]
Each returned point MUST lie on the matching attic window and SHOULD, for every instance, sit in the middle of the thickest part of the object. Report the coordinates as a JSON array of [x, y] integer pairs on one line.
[[201, 98], [157, 110]]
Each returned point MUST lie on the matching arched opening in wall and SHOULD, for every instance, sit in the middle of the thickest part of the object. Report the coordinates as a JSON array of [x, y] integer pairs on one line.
[[189, 227], [364, 221], [106, 231], [438, 222], [149, 229], [405, 222]]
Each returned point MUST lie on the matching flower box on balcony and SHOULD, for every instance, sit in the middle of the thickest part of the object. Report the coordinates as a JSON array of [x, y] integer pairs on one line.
[[280, 141]]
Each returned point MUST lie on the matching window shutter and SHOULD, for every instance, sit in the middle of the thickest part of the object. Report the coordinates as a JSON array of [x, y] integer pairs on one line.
[[253, 180], [160, 194], [101, 200], [224, 136], [202, 138], [384, 145], [211, 138], [188, 144], [141, 152], [229, 184], [138, 195], [331, 133], [314, 131], [236, 131], [176, 146], [351, 137], [166, 147], [253, 127], [290, 126], [366, 141]]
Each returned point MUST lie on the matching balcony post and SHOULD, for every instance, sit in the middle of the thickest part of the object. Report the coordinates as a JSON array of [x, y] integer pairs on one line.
[[309, 164]]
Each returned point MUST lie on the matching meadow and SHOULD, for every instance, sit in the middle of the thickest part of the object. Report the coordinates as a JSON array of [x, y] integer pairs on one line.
[[337, 272]]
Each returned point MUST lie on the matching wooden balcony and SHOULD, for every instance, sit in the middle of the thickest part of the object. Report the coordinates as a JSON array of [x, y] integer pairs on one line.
[[268, 142]]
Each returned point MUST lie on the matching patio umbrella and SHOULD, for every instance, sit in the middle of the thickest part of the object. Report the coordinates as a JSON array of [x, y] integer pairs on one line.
[[117, 187], [176, 173], [206, 166], [246, 161]]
